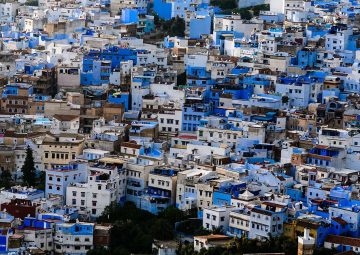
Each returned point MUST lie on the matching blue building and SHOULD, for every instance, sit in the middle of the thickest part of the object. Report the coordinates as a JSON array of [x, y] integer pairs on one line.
[[120, 98], [222, 196], [192, 116], [129, 16], [198, 76], [306, 57], [14, 89], [100, 74], [163, 9], [73, 238], [147, 22], [323, 156], [31, 222], [200, 25], [99, 64]]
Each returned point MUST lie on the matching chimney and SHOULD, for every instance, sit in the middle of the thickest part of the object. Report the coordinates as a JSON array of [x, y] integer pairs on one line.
[[306, 243]]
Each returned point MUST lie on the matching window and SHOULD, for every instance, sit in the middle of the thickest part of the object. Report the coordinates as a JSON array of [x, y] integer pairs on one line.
[[82, 194], [74, 201]]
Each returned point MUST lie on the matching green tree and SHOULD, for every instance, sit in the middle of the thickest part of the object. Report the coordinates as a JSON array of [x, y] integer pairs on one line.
[[6, 179], [98, 251], [324, 251], [177, 27], [185, 249], [246, 14], [162, 230], [224, 4], [32, 3], [285, 99], [41, 180], [28, 169], [181, 79], [172, 214]]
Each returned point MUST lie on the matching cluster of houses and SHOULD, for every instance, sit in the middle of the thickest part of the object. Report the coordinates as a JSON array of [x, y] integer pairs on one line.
[[252, 123]]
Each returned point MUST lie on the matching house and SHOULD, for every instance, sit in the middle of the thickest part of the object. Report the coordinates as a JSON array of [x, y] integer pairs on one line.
[[105, 184], [59, 150], [58, 179], [239, 223], [20, 208], [210, 241], [342, 243], [73, 238], [38, 233], [217, 217], [65, 124], [267, 219], [161, 190]]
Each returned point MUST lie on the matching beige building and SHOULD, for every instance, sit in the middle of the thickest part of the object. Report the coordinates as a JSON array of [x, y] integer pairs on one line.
[[60, 107], [59, 150]]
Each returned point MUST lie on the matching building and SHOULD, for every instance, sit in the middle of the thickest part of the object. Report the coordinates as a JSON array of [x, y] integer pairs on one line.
[[206, 242], [58, 179], [73, 238], [105, 184]]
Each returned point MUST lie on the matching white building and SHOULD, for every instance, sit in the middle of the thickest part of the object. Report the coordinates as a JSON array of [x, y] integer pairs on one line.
[[268, 219], [299, 93], [106, 183], [24, 193], [186, 189], [170, 120], [349, 214], [210, 241], [243, 199], [9, 10], [338, 38], [68, 75], [58, 179], [65, 124], [217, 217], [338, 138], [152, 56], [239, 223]]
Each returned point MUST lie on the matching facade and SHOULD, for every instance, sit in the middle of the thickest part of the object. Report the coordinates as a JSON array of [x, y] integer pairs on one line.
[[243, 115], [73, 238], [58, 179], [104, 185]]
